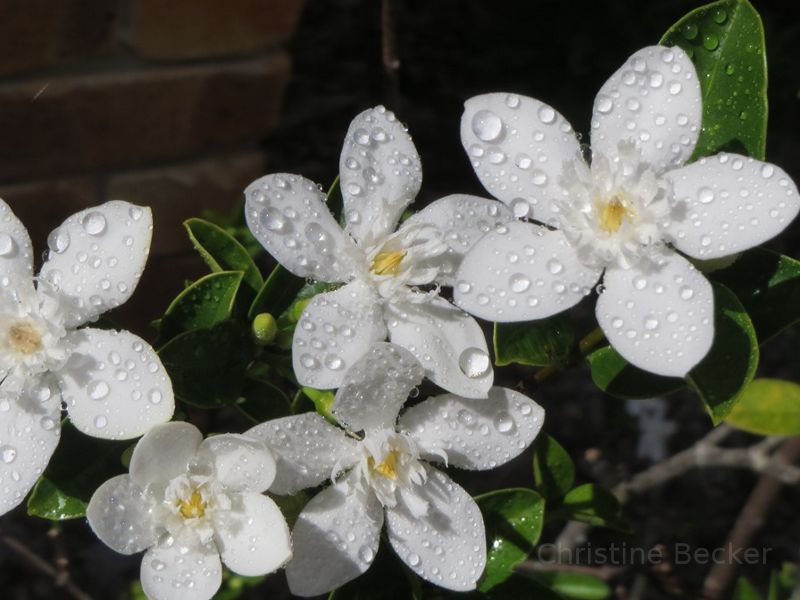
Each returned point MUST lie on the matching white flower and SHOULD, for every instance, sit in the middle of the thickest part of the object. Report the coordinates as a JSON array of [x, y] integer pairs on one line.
[[622, 218], [380, 175], [112, 383], [433, 524], [190, 502]]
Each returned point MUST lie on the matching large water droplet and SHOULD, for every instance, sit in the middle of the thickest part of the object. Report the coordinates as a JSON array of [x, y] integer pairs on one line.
[[519, 282], [474, 363], [272, 220], [58, 240], [94, 223], [98, 390], [8, 454], [487, 126], [504, 422]]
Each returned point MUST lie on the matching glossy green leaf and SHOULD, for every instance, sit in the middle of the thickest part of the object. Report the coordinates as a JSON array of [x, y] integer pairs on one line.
[[206, 302], [725, 40], [745, 591], [768, 286], [263, 401], [277, 293], [592, 504], [78, 467], [207, 366], [536, 343], [222, 252], [553, 469], [616, 376], [767, 407], [513, 520], [732, 361], [575, 586]]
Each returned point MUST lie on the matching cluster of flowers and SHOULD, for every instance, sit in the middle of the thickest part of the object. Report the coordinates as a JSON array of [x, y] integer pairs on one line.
[[558, 226]]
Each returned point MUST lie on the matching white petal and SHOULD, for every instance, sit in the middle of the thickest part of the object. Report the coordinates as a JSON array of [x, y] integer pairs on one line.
[[240, 462], [376, 387], [448, 545], [474, 434], [121, 515], [164, 452], [335, 540], [522, 272], [114, 385], [730, 203], [380, 174], [518, 146], [335, 330], [447, 341], [16, 251], [176, 572], [661, 321], [307, 449], [30, 427], [463, 220], [653, 100], [97, 256], [254, 540], [288, 215]]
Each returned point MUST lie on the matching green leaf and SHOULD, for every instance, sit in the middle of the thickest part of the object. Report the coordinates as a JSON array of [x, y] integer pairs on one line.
[[732, 360], [553, 469], [262, 401], [768, 286], [513, 520], [745, 591], [206, 302], [592, 504], [222, 252], [277, 293], [207, 366], [576, 586], [725, 40], [78, 467], [767, 407], [536, 343], [614, 375]]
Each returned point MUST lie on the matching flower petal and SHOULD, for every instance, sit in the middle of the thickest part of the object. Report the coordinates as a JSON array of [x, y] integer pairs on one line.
[[448, 545], [254, 540], [114, 385], [16, 250], [660, 320], [448, 343], [239, 462], [178, 572], [288, 215], [474, 434], [335, 539], [522, 272], [164, 452], [380, 174], [518, 146], [731, 203], [336, 329], [653, 99], [307, 449], [121, 514], [376, 387], [463, 220], [30, 427], [97, 257]]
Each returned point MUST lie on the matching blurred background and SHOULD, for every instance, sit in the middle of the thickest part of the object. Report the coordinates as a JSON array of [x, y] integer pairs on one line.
[[179, 104]]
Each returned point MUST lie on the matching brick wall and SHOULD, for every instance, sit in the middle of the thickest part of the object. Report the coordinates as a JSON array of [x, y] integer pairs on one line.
[[159, 102]]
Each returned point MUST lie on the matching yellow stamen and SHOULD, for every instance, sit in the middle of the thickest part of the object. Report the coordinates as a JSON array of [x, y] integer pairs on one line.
[[387, 468], [388, 263], [612, 214], [23, 338], [194, 507]]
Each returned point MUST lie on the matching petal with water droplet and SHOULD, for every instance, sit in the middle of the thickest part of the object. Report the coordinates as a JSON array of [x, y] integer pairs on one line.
[[728, 203], [239, 462], [164, 452], [253, 537], [447, 546], [660, 320], [16, 251], [181, 572], [114, 385], [97, 256], [474, 434], [380, 174], [307, 449], [448, 343], [653, 100], [335, 539], [518, 149]]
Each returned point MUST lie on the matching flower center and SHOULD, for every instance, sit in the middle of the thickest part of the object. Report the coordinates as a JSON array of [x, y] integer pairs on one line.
[[24, 338], [194, 507], [387, 467], [387, 263], [612, 214]]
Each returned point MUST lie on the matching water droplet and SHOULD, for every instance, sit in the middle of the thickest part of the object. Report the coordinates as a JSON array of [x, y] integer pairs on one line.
[[720, 16], [58, 240], [94, 223], [730, 69], [519, 282], [523, 161], [98, 390], [554, 266], [155, 396], [546, 114], [705, 195], [520, 207], [466, 418], [504, 423], [100, 421], [604, 104], [686, 292], [272, 220], [7, 244], [464, 287], [650, 323], [710, 42], [474, 363], [308, 361], [8, 454], [413, 559], [767, 171], [690, 31], [333, 362], [366, 554], [675, 87], [487, 126], [512, 101]]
